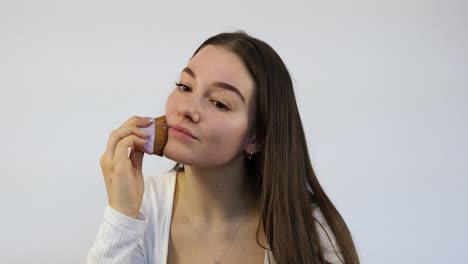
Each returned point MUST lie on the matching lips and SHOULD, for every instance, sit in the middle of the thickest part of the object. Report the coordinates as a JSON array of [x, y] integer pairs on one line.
[[183, 130]]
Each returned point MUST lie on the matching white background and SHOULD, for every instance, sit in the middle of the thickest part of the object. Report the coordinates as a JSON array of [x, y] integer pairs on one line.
[[382, 88]]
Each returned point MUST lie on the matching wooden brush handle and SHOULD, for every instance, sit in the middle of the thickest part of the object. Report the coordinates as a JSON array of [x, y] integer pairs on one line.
[[161, 135], [157, 139]]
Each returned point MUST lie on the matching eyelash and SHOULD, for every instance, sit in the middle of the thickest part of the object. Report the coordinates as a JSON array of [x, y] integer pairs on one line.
[[224, 107]]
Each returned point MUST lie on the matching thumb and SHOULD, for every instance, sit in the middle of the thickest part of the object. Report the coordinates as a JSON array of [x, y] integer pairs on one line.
[[136, 157]]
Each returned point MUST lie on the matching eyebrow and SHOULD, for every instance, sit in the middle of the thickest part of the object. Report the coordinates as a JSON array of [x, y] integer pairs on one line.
[[222, 85]]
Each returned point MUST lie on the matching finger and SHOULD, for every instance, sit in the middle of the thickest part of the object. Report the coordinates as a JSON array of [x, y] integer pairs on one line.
[[137, 121], [121, 150], [117, 135], [136, 156]]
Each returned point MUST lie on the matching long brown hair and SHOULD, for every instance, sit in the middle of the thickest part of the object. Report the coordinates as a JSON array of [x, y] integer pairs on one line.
[[281, 171]]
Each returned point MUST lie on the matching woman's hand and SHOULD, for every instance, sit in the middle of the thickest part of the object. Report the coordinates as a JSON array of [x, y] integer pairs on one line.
[[122, 172]]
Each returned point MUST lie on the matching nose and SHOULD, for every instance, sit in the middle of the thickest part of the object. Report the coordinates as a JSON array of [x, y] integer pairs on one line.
[[188, 110]]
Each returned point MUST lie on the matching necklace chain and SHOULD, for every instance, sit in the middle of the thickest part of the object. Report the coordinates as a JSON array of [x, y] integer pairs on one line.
[[217, 260]]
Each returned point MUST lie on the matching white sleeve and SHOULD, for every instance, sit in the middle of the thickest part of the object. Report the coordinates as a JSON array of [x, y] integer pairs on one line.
[[119, 239]]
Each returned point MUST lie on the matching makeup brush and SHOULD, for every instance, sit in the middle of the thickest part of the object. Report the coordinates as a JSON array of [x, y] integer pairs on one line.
[[157, 139]]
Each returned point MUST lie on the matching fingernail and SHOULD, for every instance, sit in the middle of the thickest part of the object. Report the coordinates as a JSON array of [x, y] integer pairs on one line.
[[144, 131]]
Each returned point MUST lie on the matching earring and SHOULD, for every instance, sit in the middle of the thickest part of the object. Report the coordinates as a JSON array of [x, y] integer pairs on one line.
[[250, 155]]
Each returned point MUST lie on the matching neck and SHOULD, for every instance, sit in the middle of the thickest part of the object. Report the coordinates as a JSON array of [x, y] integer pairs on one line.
[[218, 194]]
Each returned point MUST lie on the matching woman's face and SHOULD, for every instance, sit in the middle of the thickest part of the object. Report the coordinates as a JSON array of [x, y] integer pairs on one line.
[[207, 104]]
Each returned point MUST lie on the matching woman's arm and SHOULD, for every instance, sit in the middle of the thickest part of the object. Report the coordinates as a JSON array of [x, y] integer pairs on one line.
[[119, 239]]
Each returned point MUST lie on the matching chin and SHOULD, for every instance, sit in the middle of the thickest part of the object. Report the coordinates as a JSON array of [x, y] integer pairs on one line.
[[176, 156], [186, 156]]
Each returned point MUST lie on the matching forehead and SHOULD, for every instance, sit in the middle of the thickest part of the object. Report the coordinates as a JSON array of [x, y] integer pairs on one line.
[[216, 64]]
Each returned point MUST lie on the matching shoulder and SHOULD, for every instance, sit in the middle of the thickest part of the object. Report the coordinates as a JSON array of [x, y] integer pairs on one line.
[[331, 249], [161, 182], [158, 194]]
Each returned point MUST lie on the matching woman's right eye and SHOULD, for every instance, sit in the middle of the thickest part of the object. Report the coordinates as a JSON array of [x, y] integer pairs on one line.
[[182, 86]]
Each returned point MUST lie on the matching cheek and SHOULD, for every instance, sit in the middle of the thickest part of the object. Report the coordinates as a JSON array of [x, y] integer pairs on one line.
[[170, 104], [228, 132]]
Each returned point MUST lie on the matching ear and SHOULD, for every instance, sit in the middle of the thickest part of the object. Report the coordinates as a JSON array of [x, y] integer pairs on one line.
[[252, 146]]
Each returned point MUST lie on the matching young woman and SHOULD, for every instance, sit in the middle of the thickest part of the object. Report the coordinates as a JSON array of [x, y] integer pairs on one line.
[[243, 189]]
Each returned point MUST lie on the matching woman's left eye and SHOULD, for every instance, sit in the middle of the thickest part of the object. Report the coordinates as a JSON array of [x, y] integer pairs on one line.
[[223, 106]]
